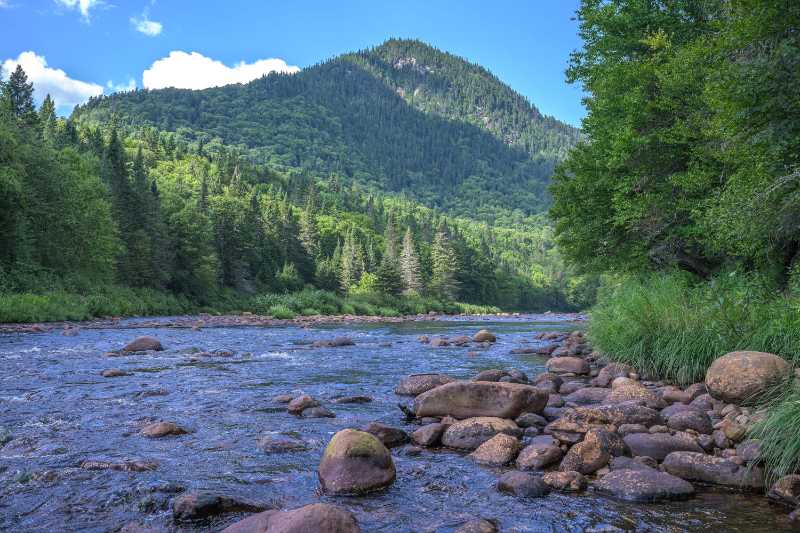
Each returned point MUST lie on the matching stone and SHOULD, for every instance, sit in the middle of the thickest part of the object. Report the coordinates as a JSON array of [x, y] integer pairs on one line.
[[355, 462], [704, 402], [301, 403], [628, 429], [491, 375], [461, 340], [416, 384], [588, 395], [479, 525], [353, 399], [470, 433], [548, 381], [659, 445], [593, 452], [484, 335], [202, 504], [270, 444], [523, 485], [555, 400], [465, 399], [570, 387], [527, 420], [643, 486], [749, 450], [318, 412], [143, 344], [737, 377], [733, 430], [611, 371], [123, 466], [691, 419], [497, 451], [439, 342], [283, 398], [162, 429], [637, 392], [581, 419], [678, 408], [717, 470], [540, 454], [390, 437], [565, 481], [428, 435], [114, 373], [630, 463], [337, 342], [564, 365], [786, 490], [316, 518]]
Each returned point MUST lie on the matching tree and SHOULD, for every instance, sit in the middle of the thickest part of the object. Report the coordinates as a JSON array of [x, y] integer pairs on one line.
[[47, 118], [409, 266], [18, 92], [444, 265]]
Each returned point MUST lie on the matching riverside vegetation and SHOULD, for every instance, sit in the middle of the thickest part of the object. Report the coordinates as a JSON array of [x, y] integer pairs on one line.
[[685, 191]]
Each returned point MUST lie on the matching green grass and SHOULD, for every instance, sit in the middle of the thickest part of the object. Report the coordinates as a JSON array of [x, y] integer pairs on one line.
[[118, 301], [673, 327], [780, 440]]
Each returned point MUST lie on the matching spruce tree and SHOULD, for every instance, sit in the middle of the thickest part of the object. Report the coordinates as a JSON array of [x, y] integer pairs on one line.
[[47, 118], [444, 265], [409, 266], [18, 92]]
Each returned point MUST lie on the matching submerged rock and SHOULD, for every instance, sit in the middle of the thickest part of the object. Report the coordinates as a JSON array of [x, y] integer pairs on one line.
[[337, 342], [523, 485], [143, 344], [162, 429], [270, 444], [740, 376], [301, 403], [416, 384], [484, 335], [355, 462], [124, 466], [316, 518], [644, 485], [479, 525], [114, 373], [353, 399], [464, 399], [202, 504]]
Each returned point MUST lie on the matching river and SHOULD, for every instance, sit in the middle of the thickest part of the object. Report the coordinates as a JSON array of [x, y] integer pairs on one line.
[[57, 411]]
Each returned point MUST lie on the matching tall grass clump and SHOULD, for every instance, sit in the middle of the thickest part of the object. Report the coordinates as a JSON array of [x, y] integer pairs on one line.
[[778, 433], [673, 326]]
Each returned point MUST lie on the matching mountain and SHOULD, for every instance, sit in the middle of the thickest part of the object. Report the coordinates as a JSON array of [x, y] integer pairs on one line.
[[402, 117]]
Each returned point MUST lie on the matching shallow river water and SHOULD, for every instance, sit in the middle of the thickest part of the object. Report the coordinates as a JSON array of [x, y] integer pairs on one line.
[[58, 411]]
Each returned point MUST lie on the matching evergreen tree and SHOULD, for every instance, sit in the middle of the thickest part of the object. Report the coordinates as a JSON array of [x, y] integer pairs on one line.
[[18, 92], [444, 265], [409, 266], [47, 118]]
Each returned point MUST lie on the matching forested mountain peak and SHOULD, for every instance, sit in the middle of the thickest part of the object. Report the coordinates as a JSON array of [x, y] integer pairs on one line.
[[400, 118]]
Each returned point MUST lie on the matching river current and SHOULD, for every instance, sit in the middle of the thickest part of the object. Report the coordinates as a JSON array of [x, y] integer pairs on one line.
[[56, 411]]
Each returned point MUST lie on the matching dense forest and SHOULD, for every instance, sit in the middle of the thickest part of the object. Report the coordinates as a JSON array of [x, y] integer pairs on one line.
[[686, 190], [402, 117], [182, 222]]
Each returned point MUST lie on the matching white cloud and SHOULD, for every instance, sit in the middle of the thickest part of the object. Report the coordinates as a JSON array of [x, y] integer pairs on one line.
[[65, 91], [144, 25], [196, 71], [121, 87], [3, 3], [82, 5]]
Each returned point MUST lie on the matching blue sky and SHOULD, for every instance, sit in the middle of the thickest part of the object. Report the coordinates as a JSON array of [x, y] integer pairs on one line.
[[76, 48]]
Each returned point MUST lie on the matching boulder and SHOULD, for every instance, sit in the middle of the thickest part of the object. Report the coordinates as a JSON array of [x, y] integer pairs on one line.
[[786, 490], [485, 335], [318, 412], [162, 429], [564, 365], [527, 420], [539, 454], [588, 395], [202, 504], [470, 433], [636, 392], [389, 436], [143, 344], [428, 435], [301, 403], [571, 387], [749, 450], [582, 419], [497, 451], [464, 399], [643, 485], [675, 408], [593, 452], [691, 419], [548, 381], [632, 463], [737, 377], [418, 383], [523, 485], [270, 444], [317, 518], [493, 374], [355, 462], [659, 445], [610, 372], [717, 470], [565, 481]]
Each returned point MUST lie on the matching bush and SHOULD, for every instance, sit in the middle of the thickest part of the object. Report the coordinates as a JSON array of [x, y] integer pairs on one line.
[[281, 312]]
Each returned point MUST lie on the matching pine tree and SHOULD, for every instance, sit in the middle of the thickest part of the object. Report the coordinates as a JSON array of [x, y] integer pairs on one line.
[[309, 236], [47, 118], [19, 94], [409, 266], [444, 265]]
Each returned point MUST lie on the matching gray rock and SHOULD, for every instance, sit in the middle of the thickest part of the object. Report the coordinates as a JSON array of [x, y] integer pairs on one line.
[[523, 485], [644, 485], [659, 445], [717, 470]]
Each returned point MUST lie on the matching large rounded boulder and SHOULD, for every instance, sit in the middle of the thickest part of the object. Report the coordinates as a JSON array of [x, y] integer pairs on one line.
[[740, 376], [355, 462], [466, 399], [317, 517]]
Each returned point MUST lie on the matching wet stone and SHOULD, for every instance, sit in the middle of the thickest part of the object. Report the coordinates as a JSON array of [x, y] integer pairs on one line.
[[162, 429], [523, 485]]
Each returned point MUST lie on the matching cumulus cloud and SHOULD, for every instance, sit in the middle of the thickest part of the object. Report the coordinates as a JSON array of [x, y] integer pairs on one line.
[[65, 91], [120, 87], [84, 6], [196, 71], [144, 25]]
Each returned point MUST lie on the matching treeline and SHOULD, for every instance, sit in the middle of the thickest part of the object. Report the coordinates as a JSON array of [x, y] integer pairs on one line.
[[87, 205], [465, 144]]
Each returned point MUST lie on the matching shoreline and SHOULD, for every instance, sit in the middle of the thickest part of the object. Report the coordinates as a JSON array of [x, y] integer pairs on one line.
[[203, 320]]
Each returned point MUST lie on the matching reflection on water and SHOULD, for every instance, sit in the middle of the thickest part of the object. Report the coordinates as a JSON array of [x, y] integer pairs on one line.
[[56, 411]]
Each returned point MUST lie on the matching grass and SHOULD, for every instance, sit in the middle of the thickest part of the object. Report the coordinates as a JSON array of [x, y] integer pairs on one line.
[[119, 301], [780, 441], [673, 327]]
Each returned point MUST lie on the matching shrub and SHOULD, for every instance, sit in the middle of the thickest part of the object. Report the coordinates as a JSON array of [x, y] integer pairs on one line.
[[281, 312]]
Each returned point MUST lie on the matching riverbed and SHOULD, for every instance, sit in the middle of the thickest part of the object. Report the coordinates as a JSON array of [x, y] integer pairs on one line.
[[57, 411]]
